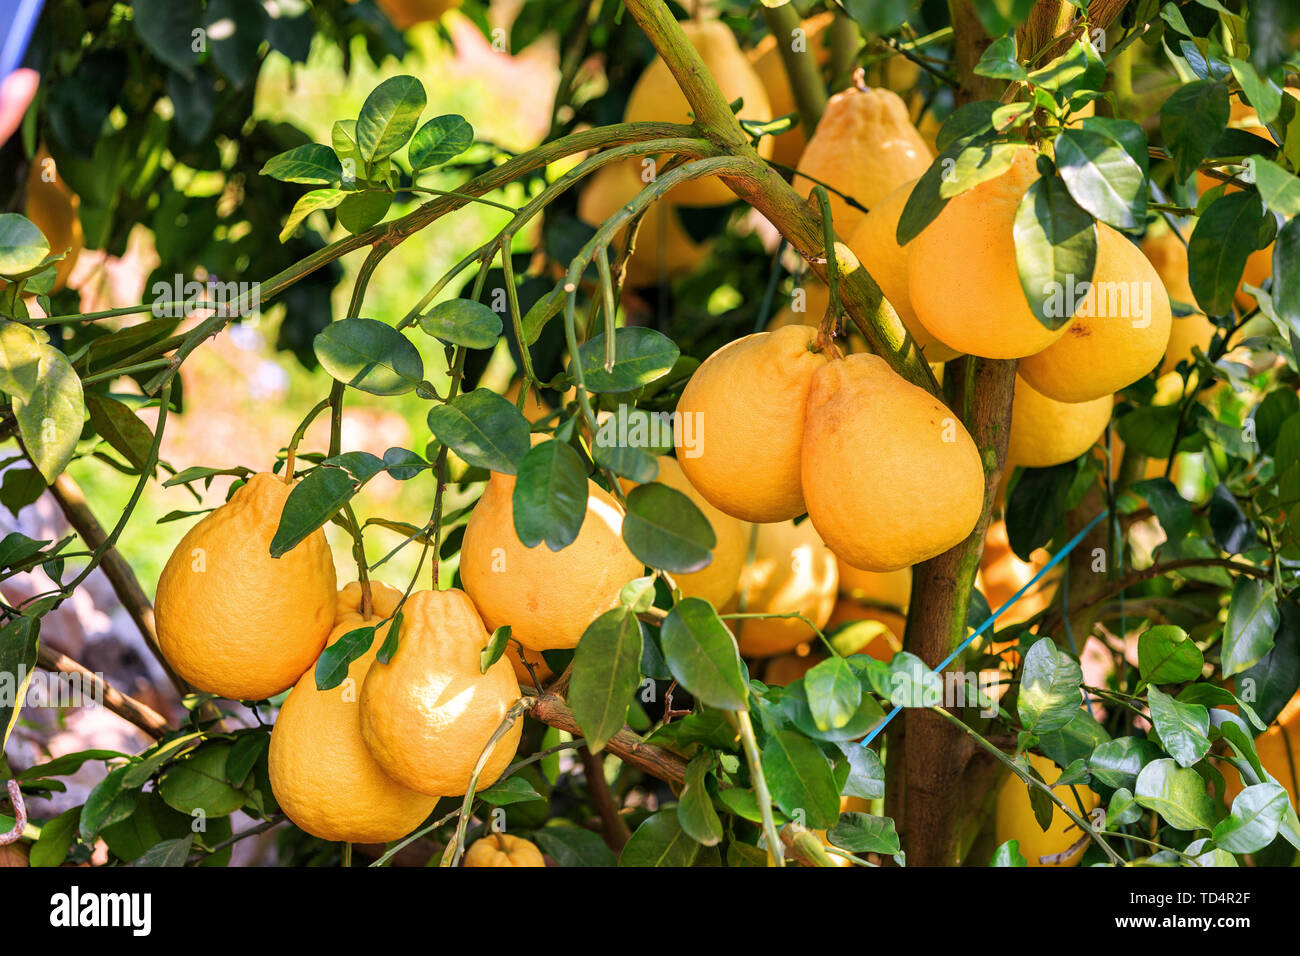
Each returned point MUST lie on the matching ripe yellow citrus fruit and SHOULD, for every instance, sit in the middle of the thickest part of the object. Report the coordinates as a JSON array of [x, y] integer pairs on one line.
[[970, 246], [231, 619], [1279, 752], [664, 250], [865, 147], [807, 306], [767, 63], [890, 589], [56, 212], [1002, 574], [1168, 256], [1015, 817], [746, 406], [1046, 432], [547, 597], [323, 777], [502, 849], [875, 243], [716, 582], [792, 571], [1119, 332], [657, 97], [865, 421], [428, 713]]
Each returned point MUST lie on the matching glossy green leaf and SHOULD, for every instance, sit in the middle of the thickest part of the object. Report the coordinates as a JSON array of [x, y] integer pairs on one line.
[[999, 61], [509, 791], [439, 140], [484, 429], [800, 780], [606, 673], [118, 425], [1226, 233], [1253, 616], [1050, 692], [1056, 250], [1279, 189], [1008, 854], [695, 812], [307, 204], [1177, 793], [334, 661], [1166, 655], [463, 322], [660, 841], [978, 163], [834, 693], [550, 496], [312, 502], [1101, 177], [1257, 814], [311, 165], [20, 359], [1117, 763], [864, 833], [198, 782], [702, 655], [866, 772], [666, 529], [50, 420], [1191, 119], [1184, 728], [641, 356], [360, 210], [389, 116], [1274, 679], [574, 846]]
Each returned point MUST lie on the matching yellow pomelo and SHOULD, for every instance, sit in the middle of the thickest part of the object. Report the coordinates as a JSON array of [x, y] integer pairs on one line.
[[891, 589], [547, 597], [428, 713], [865, 147], [1046, 432], [865, 422], [1168, 256], [1119, 332], [323, 777], [231, 619], [875, 244], [716, 582], [792, 571], [657, 97], [745, 405], [1015, 817], [961, 275], [664, 250], [56, 212], [502, 849], [767, 63]]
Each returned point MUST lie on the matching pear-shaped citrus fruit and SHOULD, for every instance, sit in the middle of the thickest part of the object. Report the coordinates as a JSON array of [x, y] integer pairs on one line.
[[1168, 255], [1119, 333], [875, 243], [1046, 432], [547, 597], [56, 211], [234, 621], [866, 428], [745, 405], [534, 658], [429, 712], [716, 581], [323, 777], [657, 97], [767, 63], [865, 147], [664, 250], [1015, 818], [962, 277], [502, 849], [807, 306], [792, 572], [890, 589]]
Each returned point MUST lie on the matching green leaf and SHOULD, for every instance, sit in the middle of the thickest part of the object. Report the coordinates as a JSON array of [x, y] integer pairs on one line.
[[978, 163], [1191, 119], [1286, 275], [388, 117], [606, 673], [999, 61], [1002, 16], [174, 852], [20, 359], [361, 210], [166, 29], [313, 501], [120, 427], [1075, 741], [660, 841], [1279, 189], [550, 496], [834, 693], [18, 646], [926, 200], [702, 655], [484, 429], [1036, 507], [1166, 655], [1130, 136], [573, 846], [666, 529], [310, 165], [439, 140], [866, 772], [369, 355], [1103, 178], [1050, 692], [864, 833], [106, 804], [641, 356], [1253, 616], [1257, 815], [1117, 763], [307, 204], [1056, 249], [800, 779], [66, 764], [1226, 233], [1263, 94], [403, 464], [1122, 809], [495, 647], [1078, 68], [1008, 854], [967, 121], [198, 782], [1272, 681], [1177, 793], [333, 664], [1184, 728], [463, 322], [695, 812], [51, 848], [50, 421], [22, 246], [510, 790]]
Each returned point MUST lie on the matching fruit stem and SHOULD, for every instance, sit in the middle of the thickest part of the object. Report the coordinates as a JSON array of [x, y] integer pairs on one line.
[[800, 65]]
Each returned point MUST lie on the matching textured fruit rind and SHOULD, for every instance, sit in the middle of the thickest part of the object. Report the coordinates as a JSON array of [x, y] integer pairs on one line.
[[502, 849], [1045, 432]]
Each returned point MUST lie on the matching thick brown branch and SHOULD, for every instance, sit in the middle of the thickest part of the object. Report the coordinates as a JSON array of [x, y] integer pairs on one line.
[[611, 821], [627, 746], [128, 708]]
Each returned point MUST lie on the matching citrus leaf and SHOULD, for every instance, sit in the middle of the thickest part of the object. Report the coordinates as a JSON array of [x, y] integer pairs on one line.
[[1184, 728], [834, 693], [1177, 793], [1008, 854], [1257, 815], [1102, 178], [1056, 249], [1225, 234], [333, 664], [606, 673], [1191, 120], [702, 655], [641, 356], [310, 165], [800, 779], [463, 322], [51, 419], [440, 139], [388, 117], [1166, 655], [20, 359], [120, 427], [660, 841], [666, 529], [550, 496], [361, 210], [511, 790], [1279, 189], [1050, 692], [313, 501], [1252, 618], [307, 204], [484, 429], [864, 833], [695, 812], [369, 355]]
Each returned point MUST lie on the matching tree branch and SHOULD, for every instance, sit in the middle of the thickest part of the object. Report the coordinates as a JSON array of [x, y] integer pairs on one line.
[[128, 708], [551, 710], [611, 821]]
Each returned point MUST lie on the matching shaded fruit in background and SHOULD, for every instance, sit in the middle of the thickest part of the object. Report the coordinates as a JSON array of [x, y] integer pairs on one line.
[[1279, 752], [875, 243], [407, 13], [664, 250], [787, 668], [1002, 574], [1168, 256], [746, 403], [872, 631], [1046, 432], [521, 672], [716, 582], [56, 211], [869, 428], [502, 849], [535, 407], [1102, 353], [865, 147], [1015, 817], [231, 619], [547, 597], [893, 589], [322, 774], [970, 247], [792, 572], [428, 713], [767, 63], [657, 97]]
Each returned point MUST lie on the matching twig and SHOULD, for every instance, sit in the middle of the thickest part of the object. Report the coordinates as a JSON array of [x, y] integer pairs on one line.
[[616, 831], [20, 814], [128, 708], [551, 710]]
